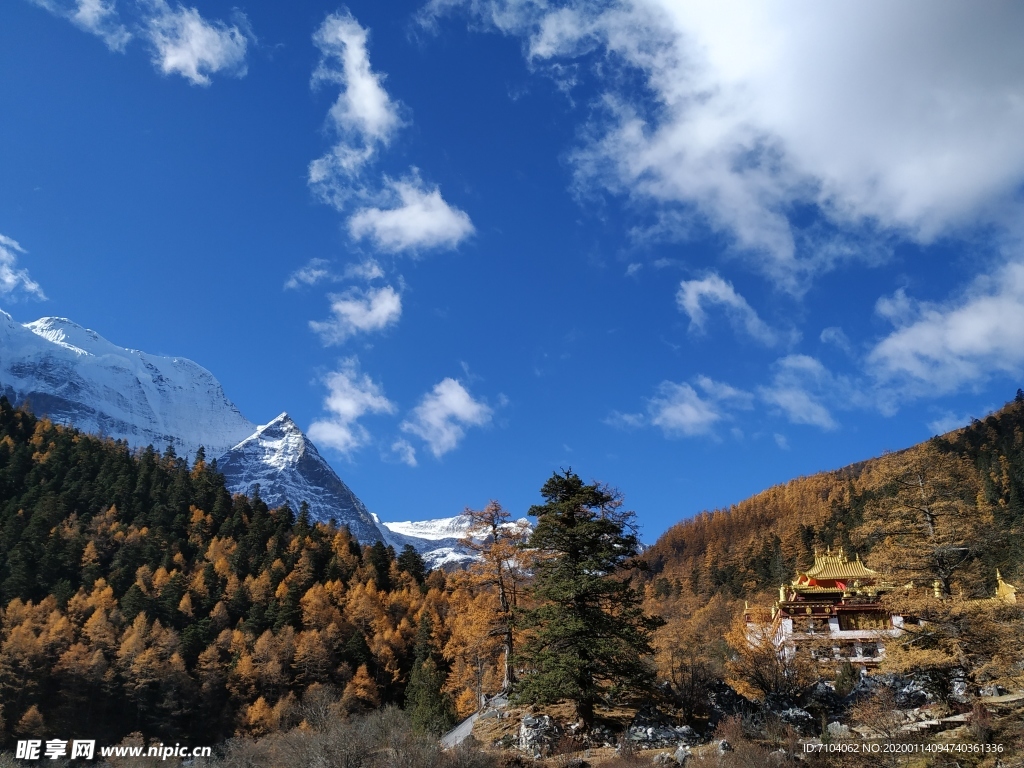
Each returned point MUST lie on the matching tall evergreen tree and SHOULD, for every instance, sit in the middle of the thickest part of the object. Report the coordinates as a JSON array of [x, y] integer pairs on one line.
[[430, 709], [588, 634], [412, 563]]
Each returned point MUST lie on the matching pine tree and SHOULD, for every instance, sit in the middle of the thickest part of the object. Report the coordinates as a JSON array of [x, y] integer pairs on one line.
[[588, 634], [429, 709], [412, 563], [380, 557]]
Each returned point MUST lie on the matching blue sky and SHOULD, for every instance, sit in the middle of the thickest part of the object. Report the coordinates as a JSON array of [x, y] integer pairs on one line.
[[687, 250]]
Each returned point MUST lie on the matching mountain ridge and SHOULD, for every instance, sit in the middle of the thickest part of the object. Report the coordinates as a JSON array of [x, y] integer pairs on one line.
[[748, 549], [286, 467], [76, 376], [73, 375]]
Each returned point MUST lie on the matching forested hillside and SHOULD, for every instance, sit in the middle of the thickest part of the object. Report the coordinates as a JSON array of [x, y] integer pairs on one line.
[[937, 520], [748, 550], [138, 595]]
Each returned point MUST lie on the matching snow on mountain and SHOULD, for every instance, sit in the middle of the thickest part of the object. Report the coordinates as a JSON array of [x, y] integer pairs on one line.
[[75, 376], [438, 541], [287, 467], [432, 530]]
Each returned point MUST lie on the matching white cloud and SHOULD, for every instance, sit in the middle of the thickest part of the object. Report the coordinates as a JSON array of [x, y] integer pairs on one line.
[[357, 311], [798, 388], [318, 271], [404, 451], [834, 335], [781, 441], [694, 294], [363, 108], [365, 270], [625, 420], [679, 410], [363, 116], [419, 219], [895, 117], [938, 348], [949, 421], [721, 392], [314, 272], [13, 279], [183, 42], [186, 44], [402, 215], [98, 17], [351, 395], [443, 416]]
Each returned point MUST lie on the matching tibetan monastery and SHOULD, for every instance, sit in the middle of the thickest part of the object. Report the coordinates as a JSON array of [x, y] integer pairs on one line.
[[832, 612]]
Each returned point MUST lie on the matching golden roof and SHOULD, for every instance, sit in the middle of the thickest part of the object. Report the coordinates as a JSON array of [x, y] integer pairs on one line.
[[836, 566], [1004, 590]]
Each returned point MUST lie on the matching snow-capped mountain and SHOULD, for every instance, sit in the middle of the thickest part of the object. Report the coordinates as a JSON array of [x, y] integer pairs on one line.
[[438, 541], [75, 376], [287, 467]]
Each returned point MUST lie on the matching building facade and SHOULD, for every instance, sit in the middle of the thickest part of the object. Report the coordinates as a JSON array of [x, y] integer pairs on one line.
[[832, 612]]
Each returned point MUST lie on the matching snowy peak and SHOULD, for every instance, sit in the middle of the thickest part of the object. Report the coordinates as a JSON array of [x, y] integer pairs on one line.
[[72, 336], [433, 530], [287, 467], [75, 376], [440, 541], [280, 426], [280, 442]]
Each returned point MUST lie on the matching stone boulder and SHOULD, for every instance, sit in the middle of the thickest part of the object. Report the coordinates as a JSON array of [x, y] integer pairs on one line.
[[680, 757], [912, 695], [537, 734], [821, 699], [801, 720], [651, 730], [837, 730]]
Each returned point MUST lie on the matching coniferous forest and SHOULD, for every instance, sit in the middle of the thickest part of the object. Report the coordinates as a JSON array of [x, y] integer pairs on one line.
[[139, 596]]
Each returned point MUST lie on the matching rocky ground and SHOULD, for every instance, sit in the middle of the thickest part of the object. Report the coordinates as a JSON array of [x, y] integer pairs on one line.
[[768, 733]]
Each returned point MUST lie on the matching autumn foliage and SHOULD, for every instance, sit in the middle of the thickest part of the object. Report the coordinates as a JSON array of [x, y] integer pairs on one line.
[[139, 595]]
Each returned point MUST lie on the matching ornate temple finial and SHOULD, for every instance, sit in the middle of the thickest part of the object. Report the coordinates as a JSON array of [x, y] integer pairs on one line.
[[1005, 591]]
